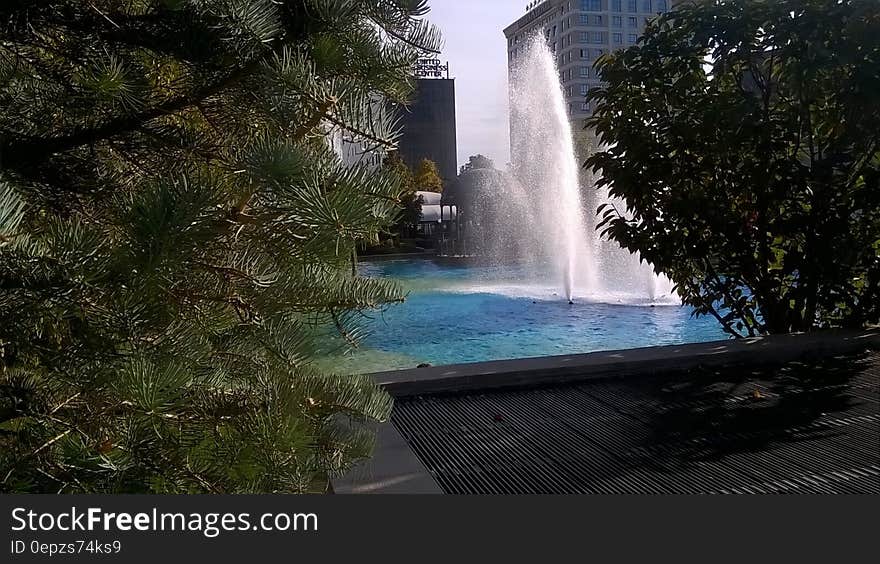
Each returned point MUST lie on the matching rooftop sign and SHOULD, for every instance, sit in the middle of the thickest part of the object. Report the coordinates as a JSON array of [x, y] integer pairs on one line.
[[431, 68]]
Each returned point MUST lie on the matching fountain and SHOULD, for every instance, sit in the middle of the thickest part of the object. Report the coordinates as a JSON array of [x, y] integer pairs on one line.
[[536, 278], [544, 212]]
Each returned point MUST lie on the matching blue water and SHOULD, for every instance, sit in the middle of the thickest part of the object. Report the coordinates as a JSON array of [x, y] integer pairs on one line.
[[458, 313]]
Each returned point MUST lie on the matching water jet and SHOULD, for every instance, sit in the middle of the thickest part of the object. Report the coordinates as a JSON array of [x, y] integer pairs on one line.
[[542, 216]]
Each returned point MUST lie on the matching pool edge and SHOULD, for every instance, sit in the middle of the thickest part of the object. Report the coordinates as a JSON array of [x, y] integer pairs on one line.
[[582, 366]]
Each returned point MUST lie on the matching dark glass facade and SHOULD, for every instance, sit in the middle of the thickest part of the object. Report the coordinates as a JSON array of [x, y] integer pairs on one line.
[[429, 127]]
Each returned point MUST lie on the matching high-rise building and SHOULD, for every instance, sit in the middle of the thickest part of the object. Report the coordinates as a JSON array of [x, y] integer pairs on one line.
[[578, 32], [355, 150], [428, 123]]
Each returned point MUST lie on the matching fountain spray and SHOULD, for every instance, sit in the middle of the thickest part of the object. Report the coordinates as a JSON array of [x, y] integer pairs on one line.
[[556, 202]]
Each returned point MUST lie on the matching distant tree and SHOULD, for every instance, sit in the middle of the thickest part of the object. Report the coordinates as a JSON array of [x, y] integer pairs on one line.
[[475, 162], [410, 202], [744, 137], [410, 215], [393, 164], [427, 177], [174, 224]]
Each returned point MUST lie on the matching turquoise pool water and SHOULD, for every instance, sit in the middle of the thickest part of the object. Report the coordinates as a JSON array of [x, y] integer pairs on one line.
[[457, 313]]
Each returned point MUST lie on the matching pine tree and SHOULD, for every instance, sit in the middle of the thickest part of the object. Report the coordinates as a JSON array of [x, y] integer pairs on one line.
[[174, 225]]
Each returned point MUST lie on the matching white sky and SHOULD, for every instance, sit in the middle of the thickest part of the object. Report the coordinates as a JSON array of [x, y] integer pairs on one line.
[[475, 47]]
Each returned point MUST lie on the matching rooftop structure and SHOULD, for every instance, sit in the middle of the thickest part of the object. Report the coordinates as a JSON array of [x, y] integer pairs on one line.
[[779, 430], [786, 414]]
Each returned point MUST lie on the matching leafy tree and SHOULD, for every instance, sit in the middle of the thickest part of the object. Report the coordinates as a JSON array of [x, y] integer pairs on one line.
[[174, 224], [427, 177], [744, 138], [411, 213], [477, 162], [410, 201], [394, 164]]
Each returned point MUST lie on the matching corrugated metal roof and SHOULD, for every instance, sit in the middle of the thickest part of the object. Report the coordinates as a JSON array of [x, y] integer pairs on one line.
[[797, 428]]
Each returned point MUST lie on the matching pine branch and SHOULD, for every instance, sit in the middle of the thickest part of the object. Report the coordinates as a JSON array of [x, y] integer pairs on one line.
[[18, 155], [179, 228]]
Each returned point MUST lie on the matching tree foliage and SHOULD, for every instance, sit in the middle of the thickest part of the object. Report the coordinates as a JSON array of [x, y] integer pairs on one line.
[[174, 224], [410, 201], [427, 177], [477, 162], [744, 136], [394, 164]]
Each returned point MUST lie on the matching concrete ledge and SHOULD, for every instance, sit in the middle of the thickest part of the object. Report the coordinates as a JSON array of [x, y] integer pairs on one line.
[[571, 368], [393, 469]]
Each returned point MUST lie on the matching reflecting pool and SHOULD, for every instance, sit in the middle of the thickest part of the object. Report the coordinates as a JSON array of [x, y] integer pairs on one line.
[[464, 313]]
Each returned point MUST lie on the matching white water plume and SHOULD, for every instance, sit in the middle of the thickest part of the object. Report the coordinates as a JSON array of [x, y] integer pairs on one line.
[[551, 205]]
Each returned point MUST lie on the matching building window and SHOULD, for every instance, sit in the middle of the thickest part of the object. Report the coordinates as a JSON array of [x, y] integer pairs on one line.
[[591, 5], [584, 89], [632, 38], [661, 5], [583, 37], [570, 91], [632, 21], [616, 5], [596, 37], [632, 6], [585, 107], [646, 6], [618, 38], [616, 21], [584, 54], [585, 72], [598, 21], [584, 19]]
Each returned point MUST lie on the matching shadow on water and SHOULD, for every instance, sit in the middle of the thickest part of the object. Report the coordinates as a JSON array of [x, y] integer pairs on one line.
[[707, 416]]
